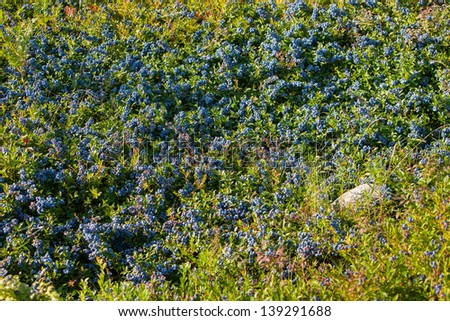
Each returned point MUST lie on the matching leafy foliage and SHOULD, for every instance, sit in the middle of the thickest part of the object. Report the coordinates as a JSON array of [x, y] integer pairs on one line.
[[180, 152]]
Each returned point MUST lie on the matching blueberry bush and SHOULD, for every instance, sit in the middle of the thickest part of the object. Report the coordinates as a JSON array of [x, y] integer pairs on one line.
[[191, 151]]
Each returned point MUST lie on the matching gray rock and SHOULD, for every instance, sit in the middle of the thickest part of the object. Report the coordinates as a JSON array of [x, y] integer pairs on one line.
[[350, 198]]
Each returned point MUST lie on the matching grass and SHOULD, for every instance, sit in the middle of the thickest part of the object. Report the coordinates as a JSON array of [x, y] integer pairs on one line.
[[87, 212]]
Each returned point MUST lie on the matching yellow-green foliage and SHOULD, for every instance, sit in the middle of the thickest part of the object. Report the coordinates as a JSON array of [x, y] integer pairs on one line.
[[11, 289]]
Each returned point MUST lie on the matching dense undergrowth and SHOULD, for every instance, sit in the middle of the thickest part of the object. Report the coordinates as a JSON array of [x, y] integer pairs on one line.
[[173, 152]]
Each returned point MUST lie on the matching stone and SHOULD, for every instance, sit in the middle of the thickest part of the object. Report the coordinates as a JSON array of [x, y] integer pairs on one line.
[[350, 198]]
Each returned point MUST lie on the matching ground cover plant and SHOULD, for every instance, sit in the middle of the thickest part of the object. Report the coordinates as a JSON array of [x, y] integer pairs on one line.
[[173, 151]]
